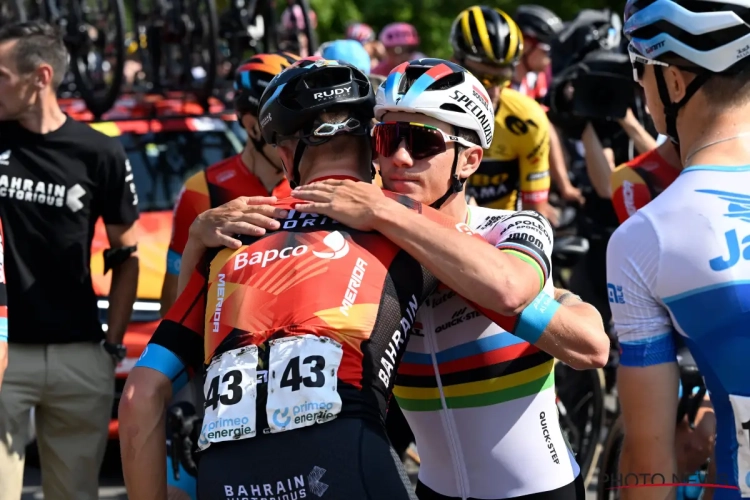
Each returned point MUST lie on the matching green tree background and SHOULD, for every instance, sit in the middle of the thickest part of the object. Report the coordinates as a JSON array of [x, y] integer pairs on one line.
[[432, 18]]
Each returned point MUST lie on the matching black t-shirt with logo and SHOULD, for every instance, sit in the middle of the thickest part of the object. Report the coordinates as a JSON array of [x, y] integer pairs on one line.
[[53, 188]]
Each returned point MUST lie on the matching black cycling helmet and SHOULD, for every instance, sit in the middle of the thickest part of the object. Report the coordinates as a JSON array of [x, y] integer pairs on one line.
[[486, 35], [296, 97], [538, 22], [254, 75]]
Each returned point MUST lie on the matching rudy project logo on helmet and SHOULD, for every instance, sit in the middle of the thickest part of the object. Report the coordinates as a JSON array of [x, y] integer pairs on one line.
[[332, 94], [266, 120]]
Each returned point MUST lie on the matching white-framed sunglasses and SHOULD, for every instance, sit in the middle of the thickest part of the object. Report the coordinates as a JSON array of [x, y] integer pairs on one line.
[[331, 129], [640, 62]]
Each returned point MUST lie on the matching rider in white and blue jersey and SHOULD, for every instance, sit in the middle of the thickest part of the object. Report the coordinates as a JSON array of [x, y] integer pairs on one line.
[[681, 265]]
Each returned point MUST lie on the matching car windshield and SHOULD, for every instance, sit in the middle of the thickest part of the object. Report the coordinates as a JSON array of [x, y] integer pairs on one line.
[[163, 160]]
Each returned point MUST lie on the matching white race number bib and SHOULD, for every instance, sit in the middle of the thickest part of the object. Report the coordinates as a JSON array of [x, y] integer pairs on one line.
[[741, 409], [230, 391], [302, 382]]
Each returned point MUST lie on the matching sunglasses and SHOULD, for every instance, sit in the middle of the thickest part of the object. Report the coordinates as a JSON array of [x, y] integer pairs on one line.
[[422, 141], [640, 62], [491, 81]]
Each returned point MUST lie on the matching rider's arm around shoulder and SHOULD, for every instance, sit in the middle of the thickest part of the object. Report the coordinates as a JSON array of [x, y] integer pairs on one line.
[[648, 376], [495, 280], [576, 334]]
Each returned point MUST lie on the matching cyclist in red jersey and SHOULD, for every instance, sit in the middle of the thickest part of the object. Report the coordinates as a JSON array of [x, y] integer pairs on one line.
[[326, 362], [3, 311], [637, 182], [256, 171]]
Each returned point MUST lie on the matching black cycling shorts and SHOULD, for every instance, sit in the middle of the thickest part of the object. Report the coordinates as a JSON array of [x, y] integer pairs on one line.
[[345, 459], [572, 491]]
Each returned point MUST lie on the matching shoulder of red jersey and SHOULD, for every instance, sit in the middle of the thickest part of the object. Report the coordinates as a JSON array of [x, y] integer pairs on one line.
[[225, 170], [629, 189]]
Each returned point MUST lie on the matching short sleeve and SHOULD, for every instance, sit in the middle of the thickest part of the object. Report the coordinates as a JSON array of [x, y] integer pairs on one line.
[[534, 158], [642, 323], [181, 330], [192, 201], [119, 198], [3, 291], [629, 192]]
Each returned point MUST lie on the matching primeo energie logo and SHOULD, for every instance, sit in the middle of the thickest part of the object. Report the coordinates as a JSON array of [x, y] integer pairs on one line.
[[337, 245], [304, 414], [227, 427]]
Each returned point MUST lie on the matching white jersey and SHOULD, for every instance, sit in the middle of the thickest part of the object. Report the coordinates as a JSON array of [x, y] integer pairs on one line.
[[480, 401], [681, 265]]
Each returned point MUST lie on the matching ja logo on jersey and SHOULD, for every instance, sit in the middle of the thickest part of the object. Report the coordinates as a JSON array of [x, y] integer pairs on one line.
[[738, 247]]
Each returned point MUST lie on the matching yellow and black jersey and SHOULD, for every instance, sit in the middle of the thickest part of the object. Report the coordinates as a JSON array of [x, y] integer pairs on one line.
[[518, 158]]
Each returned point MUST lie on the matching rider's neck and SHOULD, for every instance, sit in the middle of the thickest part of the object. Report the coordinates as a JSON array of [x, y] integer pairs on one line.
[[700, 125], [520, 72], [668, 151], [456, 207], [268, 174], [325, 170], [45, 115]]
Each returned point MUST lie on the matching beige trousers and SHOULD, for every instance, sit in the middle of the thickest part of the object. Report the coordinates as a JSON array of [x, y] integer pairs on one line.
[[72, 388]]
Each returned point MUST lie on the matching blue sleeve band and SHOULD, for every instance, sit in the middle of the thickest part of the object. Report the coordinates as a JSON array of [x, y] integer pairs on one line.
[[3, 329], [534, 319], [648, 352], [174, 260], [165, 361], [186, 482]]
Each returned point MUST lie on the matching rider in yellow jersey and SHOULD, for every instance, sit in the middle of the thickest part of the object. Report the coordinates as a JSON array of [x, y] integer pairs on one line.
[[489, 43]]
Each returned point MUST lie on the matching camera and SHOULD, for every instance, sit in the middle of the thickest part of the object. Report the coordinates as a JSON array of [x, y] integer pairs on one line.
[[594, 79]]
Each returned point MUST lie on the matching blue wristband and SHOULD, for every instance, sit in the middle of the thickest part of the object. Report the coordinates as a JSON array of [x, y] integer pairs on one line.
[[3, 329], [174, 260], [163, 360], [535, 318]]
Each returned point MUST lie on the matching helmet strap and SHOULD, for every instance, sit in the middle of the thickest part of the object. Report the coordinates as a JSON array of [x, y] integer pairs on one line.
[[298, 152], [259, 145], [457, 184], [671, 109]]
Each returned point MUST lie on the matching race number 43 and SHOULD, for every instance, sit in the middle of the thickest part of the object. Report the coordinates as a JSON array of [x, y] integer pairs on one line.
[[741, 409], [302, 382], [230, 392]]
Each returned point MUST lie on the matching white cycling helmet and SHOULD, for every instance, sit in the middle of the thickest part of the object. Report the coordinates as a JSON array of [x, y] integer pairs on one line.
[[713, 36], [440, 89]]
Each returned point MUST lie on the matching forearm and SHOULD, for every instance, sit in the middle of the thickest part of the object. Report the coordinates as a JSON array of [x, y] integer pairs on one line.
[[143, 447], [576, 334], [191, 256], [168, 293], [471, 267], [642, 140], [557, 169], [598, 166], [3, 360], [122, 295]]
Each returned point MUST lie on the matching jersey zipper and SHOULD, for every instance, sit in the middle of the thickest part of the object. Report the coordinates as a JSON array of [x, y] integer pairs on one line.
[[446, 417]]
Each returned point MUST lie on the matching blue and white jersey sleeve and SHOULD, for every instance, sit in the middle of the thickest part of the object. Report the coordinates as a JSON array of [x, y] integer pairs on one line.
[[642, 323]]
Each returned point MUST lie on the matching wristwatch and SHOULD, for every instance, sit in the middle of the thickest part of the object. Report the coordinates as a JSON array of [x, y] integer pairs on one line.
[[117, 351]]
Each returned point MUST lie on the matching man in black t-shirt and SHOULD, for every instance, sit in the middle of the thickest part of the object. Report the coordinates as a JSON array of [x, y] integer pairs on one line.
[[57, 177]]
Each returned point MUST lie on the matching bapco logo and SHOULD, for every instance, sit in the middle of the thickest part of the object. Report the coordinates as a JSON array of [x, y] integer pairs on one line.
[[337, 244]]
